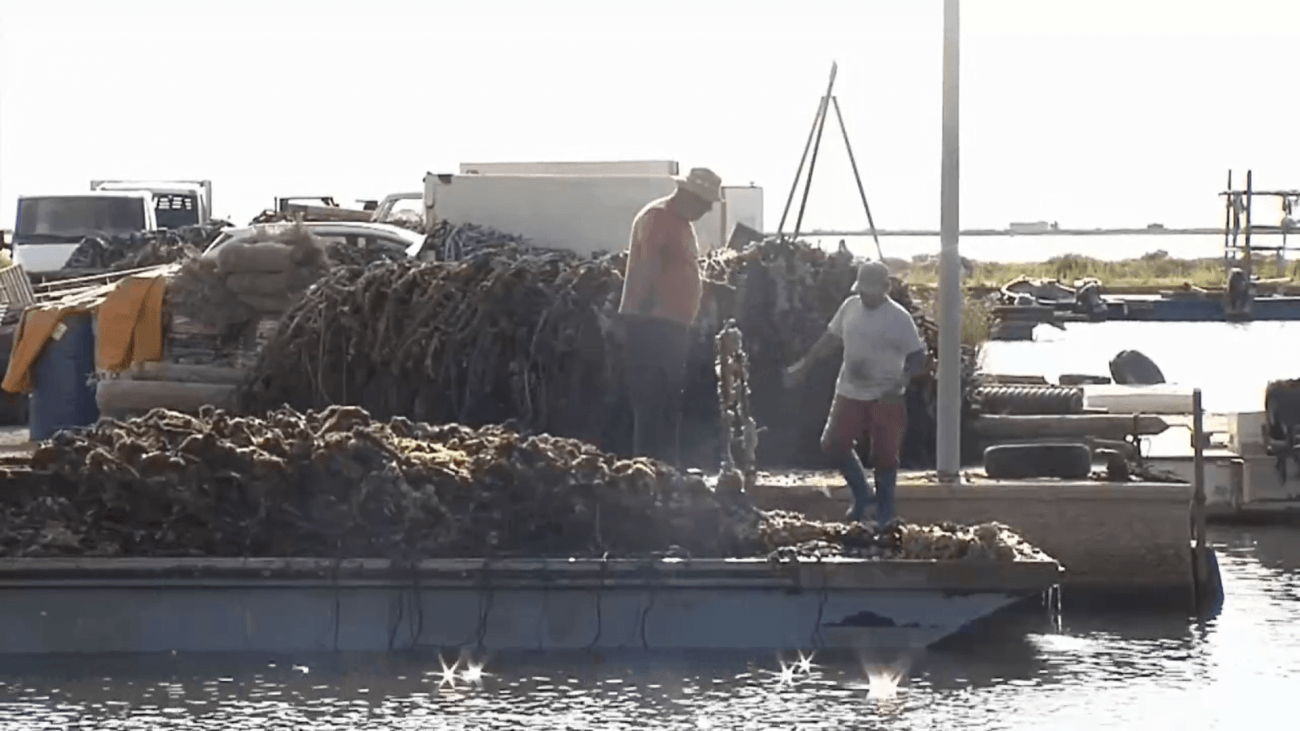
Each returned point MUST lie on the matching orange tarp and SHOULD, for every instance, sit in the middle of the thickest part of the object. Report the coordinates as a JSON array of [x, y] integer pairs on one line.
[[129, 319]]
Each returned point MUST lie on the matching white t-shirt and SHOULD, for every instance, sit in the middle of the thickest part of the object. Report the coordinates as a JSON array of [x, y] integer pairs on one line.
[[876, 342]]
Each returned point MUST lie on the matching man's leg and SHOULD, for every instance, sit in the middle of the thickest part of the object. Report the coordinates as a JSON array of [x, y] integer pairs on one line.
[[675, 344], [847, 420], [887, 425], [641, 386]]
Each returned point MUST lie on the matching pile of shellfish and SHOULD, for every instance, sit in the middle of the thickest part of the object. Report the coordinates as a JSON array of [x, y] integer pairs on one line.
[[337, 483], [510, 332], [501, 336], [792, 536], [453, 241]]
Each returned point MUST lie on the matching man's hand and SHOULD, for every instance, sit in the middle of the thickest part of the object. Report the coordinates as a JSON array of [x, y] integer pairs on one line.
[[898, 392], [794, 375]]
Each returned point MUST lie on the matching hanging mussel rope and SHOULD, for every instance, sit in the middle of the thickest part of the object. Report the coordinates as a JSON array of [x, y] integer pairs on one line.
[[739, 430]]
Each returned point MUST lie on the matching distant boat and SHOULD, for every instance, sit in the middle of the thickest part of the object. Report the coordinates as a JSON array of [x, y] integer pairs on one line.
[[1035, 227]]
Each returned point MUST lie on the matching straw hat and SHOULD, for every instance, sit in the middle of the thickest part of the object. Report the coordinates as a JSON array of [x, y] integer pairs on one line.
[[702, 182]]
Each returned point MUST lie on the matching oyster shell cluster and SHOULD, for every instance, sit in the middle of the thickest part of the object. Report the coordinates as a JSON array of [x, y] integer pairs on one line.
[[337, 483], [792, 536]]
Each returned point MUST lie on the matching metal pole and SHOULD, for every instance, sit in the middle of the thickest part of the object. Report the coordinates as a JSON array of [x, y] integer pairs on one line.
[[817, 144], [948, 439], [1199, 561], [1227, 229], [1247, 258], [798, 173], [861, 191]]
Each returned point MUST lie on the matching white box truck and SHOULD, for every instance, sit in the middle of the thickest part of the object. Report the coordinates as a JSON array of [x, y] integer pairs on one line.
[[584, 207]]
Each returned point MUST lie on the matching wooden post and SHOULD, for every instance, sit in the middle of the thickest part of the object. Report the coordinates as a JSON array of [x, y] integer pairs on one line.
[[1200, 562], [1237, 483]]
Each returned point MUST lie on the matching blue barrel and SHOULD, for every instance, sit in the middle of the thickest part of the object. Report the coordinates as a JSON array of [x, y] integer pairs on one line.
[[63, 394]]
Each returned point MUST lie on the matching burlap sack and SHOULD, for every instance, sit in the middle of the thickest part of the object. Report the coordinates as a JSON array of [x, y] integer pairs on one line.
[[267, 305], [238, 257], [259, 283]]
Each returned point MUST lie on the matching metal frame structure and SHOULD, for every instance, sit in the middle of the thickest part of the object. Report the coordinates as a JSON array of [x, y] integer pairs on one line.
[[1239, 250], [814, 145], [1239, 225]]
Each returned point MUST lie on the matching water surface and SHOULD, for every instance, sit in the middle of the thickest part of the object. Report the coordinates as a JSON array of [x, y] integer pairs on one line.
[[1023, 670]]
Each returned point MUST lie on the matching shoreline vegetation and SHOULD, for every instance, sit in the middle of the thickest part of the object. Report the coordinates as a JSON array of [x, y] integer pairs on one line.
[[1153, 269]]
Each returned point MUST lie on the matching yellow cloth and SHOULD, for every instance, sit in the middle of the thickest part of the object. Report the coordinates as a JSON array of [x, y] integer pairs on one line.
[[5, 261], [130, 324], [129, 316], [34, 330]]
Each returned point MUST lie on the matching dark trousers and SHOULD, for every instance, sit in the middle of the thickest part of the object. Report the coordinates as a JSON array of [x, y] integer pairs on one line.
[[656, 375]]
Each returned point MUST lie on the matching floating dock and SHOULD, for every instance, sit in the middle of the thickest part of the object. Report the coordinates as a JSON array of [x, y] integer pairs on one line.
[[143, 605], [1178, 307]]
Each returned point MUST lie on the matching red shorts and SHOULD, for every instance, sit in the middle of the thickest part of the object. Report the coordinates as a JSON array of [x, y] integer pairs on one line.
[[885, 421]]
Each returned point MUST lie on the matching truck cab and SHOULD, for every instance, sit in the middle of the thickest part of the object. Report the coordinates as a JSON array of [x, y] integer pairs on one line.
[[50, 227], [177, 203]]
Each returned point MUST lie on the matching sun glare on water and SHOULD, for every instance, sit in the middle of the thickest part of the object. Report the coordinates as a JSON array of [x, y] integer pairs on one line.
[[882, 683]]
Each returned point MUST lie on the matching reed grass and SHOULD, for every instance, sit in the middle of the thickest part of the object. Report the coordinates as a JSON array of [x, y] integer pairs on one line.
[[1156, 268]]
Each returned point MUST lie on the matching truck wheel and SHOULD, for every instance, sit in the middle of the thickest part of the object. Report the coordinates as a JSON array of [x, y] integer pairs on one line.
[[1064, 460]]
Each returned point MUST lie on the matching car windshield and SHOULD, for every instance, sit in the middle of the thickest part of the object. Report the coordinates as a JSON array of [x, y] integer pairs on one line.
[[398, 238], [79, 216]]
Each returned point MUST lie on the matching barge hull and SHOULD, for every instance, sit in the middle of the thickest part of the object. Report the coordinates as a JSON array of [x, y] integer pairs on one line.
[[75, 607]]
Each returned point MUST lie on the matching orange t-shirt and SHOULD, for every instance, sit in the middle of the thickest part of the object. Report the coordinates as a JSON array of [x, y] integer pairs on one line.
[[671, 289]]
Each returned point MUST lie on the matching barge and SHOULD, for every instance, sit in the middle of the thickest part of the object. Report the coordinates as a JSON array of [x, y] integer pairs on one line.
[[192, 605]]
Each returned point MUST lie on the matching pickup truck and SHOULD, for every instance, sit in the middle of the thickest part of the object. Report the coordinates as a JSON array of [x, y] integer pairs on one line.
[[177, 203], [50, 227]]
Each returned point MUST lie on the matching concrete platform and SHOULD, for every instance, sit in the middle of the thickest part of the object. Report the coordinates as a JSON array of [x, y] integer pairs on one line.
[[1125, 539]]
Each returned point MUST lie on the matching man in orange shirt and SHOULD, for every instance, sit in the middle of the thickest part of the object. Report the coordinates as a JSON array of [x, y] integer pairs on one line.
[[661, 297]]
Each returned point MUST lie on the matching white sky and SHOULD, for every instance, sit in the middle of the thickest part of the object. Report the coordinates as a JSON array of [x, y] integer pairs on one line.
[[1089, 112]]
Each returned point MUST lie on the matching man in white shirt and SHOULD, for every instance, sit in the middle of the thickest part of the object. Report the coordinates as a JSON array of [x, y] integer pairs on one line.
[[882, 352]]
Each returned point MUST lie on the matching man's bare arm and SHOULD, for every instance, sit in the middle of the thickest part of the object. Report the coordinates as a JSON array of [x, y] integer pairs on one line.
[[650, 263], [826, 345]]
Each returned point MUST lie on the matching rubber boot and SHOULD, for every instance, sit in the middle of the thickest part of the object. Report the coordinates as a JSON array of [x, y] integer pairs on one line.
[[886, 482], [856, 478]]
